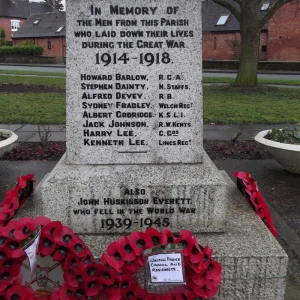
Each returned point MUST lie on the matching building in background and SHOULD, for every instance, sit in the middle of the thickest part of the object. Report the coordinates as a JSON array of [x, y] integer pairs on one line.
[[13, 14], [47, 30], [279, 38]]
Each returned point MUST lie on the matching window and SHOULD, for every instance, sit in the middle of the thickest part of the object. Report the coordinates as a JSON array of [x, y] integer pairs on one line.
[[15, 25], [60, 29], [37, 21], [223, 19], [49, 45], [265, 6], [264, 48]]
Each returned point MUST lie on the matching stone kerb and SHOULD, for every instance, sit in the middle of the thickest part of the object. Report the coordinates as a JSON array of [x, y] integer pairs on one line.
[[134, 90]]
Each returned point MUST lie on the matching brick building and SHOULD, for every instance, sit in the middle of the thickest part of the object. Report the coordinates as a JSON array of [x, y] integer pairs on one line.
[[13, 14], [279, 39], [47, 30]]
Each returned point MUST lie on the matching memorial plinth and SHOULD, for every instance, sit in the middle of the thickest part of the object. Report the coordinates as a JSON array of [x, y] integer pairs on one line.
[[135, 157]]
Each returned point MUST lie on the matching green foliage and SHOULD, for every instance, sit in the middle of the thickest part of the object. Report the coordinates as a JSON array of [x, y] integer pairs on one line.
[[22, 50], [286, 135], [28, 43], [2, 36]]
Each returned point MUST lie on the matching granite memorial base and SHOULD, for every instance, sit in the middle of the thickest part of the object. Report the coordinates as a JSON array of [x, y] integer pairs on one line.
[[254, 264], [126, 198]]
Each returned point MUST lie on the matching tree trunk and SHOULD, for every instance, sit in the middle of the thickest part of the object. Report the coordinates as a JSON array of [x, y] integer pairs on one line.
[[250, 41]]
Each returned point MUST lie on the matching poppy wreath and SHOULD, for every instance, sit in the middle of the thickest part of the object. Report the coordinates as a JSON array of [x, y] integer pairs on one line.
[[248, 187], [124, 257], [15, 198], [80, 272]]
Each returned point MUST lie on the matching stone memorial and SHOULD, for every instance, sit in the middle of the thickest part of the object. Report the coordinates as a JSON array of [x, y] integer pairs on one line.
[[135, 155], [134, 122]]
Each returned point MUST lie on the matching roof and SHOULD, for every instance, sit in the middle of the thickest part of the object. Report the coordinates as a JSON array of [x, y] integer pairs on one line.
[[22, 9], [47, 26], [211, 13]]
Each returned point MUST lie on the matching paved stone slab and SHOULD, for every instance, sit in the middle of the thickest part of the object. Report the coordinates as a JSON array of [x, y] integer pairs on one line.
[[24, 136], [140, 101], [55, 137], [12, 127]]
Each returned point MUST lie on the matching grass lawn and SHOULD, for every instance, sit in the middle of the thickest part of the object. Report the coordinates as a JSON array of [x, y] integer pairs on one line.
[[59, 74], [32, 108], [261, 81], [233, 105], [56, 82], [222, 104]]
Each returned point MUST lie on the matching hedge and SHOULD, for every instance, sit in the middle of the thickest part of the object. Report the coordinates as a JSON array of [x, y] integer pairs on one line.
[[22, 50]]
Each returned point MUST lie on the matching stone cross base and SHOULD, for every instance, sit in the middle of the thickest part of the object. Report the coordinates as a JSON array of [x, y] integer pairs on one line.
[[125, 198]]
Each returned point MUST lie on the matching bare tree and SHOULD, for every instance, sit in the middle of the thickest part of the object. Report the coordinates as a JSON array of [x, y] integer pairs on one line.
[[247, 13]]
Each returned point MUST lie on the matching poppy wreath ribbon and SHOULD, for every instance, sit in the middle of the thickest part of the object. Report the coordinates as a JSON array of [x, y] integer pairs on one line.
[[80, 272], [248, 187], [124, 257], [16, 198]]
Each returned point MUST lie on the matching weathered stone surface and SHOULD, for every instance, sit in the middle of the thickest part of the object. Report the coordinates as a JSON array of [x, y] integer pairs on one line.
[[122, 69], [190, 196]]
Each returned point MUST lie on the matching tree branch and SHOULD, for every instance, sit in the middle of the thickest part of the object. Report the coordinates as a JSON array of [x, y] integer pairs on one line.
[[273, 8], [230, 7]]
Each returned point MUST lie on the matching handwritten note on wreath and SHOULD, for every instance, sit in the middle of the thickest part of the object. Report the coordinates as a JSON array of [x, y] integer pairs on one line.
[[166, 268]]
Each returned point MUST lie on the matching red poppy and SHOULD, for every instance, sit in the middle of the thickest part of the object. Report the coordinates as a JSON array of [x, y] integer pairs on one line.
[[115, 291], [74, 279], [138, 294], [114, 257], [139, 242], [196, 254], [155, 237], [72, 262], [22, 181], [66, 292], [125, 249], [93, 287], [60, 253], [128, 286], [5, 216], [12, 266], [127, 275], [187, 240], [107, 276], [77, 246], [90, 272], [167, 237], [207, 253], [42, 221], [133, 266], [46, 246], [11, 202], [5, 280], [63, 236], [86, 256], [24, 228], [51, 229], [20, 292]]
